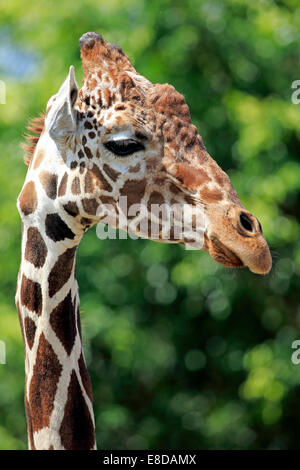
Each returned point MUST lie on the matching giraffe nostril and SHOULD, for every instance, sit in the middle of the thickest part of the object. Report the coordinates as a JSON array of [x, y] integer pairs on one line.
[[246, 223]]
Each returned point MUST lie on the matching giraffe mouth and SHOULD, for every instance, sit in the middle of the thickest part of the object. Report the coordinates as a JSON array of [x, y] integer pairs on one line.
[[221, 253]]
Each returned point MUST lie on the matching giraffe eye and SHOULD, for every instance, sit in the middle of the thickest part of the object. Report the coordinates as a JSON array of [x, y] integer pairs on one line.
[[124, 147]]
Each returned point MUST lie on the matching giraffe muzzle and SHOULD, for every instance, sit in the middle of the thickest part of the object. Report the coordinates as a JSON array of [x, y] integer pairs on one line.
[[235, 239]]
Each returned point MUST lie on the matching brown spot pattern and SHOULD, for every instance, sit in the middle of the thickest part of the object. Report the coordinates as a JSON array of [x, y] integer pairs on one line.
[[46, 373], [135, 168], [85, 377], [88, 182], [113, 174], [56, 228], [134, 190], [63, 185], [211, 195], [31, 295], [28, 198], [100, 180], [49, 183], [90, 205], [77, 430], [87, 152], [71, 208], [36, 249], [190, 177], [61, 271], [107, 97], [155, 198], [38, 158], [30, 330], [63, 322], [75, 188], [120, 107]]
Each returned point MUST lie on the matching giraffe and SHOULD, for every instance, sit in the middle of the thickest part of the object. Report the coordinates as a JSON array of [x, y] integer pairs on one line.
[[118, 136]]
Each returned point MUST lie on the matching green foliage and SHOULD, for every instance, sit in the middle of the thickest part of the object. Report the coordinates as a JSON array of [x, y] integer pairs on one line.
[[183, 353]]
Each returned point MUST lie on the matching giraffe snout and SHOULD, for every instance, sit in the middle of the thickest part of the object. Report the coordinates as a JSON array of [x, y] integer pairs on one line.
[[235, 239]]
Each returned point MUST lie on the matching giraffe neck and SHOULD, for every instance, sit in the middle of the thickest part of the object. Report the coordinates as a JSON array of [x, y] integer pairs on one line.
[[58, 394]]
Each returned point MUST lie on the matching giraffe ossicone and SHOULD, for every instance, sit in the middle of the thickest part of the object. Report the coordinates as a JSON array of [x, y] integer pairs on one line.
[[119, 136]]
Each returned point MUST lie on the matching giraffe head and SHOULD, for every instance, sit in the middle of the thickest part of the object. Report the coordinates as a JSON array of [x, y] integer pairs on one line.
[[122, 136]]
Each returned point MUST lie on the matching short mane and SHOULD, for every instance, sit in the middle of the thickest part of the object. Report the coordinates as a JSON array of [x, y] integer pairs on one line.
[[35, 127]]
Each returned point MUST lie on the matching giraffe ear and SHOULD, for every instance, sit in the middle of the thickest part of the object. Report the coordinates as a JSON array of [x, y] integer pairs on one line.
[[61, 117]]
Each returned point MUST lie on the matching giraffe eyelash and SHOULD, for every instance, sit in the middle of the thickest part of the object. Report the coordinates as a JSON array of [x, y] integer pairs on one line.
[[124, 147]]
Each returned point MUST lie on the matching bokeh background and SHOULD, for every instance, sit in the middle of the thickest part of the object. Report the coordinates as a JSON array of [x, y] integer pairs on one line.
[[183, 353]]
